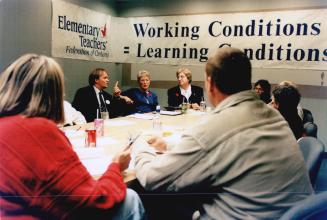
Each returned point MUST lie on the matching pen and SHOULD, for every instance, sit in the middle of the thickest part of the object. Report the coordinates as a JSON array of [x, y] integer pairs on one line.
[[132, 140]]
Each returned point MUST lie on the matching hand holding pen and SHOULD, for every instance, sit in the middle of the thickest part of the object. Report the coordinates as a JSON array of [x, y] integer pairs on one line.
[[123, 158]]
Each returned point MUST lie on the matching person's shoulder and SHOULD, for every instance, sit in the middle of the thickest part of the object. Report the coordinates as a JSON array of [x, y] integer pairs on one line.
[[33, 123], [84, 89], [67, 104], [134, 89], [173, 89], [198, 88], [153, 93], [41, 122]]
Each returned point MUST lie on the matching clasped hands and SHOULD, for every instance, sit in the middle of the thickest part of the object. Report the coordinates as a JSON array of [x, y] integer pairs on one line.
[[158, 143]]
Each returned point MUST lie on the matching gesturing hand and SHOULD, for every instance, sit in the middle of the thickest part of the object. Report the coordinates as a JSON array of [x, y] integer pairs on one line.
[[117, 90], [127, 99]]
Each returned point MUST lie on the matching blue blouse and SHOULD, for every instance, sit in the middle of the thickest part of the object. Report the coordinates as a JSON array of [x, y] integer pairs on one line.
[[143, 102]]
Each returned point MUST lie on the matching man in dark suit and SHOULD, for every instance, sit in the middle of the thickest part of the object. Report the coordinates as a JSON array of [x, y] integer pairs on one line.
[[90, 99], [185, 92]]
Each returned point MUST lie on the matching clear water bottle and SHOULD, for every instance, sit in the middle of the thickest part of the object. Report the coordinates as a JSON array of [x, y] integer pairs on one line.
[[184, 106], [156, 120], [158, 109], [202, 105]]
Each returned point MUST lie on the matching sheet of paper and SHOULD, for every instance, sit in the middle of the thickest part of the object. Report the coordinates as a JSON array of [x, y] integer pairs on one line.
[[97, 166], [162, 112], [118, 123], [70, 133], [194, 112], [89, 152], [101, 142], [142, 116], [77, 142]]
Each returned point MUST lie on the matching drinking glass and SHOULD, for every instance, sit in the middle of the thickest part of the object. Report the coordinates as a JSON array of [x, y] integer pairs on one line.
[[90, 139], [105, 115]]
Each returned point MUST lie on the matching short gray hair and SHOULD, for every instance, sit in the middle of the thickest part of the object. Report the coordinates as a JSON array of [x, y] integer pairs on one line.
[[142, 73]]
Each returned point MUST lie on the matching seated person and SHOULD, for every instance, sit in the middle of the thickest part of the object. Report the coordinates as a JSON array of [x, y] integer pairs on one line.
[[299, 106], [185, 92], [41, 176], [142, 98], [307, 116], [262, 88], [72, 116], [285, 98], [91, 99], [240, 162]]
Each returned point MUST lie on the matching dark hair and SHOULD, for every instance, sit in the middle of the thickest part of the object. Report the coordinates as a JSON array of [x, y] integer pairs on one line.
[[287, 97], [32, 86], [94, 75], [230, 70], [307, 116], [266, 87]]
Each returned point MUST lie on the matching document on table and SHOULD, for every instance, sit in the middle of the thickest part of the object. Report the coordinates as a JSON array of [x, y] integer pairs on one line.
[[89, 152], [94, 159], [162, 112], [101, 142], [117, 123], [142, 116], [70, 133], [97, 166]]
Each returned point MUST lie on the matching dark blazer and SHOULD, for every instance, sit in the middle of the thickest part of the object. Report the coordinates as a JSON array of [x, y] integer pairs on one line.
[[86, 102], [175, 98]]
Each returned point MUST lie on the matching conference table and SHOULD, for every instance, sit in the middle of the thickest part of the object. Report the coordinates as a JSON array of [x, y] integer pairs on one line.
[[117, 131]]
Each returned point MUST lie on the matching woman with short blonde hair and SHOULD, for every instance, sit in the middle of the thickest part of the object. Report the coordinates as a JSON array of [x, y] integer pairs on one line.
[[142, 98], [143, 73]]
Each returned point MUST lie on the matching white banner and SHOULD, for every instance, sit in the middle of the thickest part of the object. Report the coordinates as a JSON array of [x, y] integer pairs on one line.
[[279, 39], [79, 33]]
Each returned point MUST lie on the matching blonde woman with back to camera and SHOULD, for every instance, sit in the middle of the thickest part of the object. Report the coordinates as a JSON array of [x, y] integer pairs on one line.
[[41, 177]]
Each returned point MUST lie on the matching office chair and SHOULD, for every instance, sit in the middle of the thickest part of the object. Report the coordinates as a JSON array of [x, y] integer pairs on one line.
[[313, 150], [310, 129], [312, 208]]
